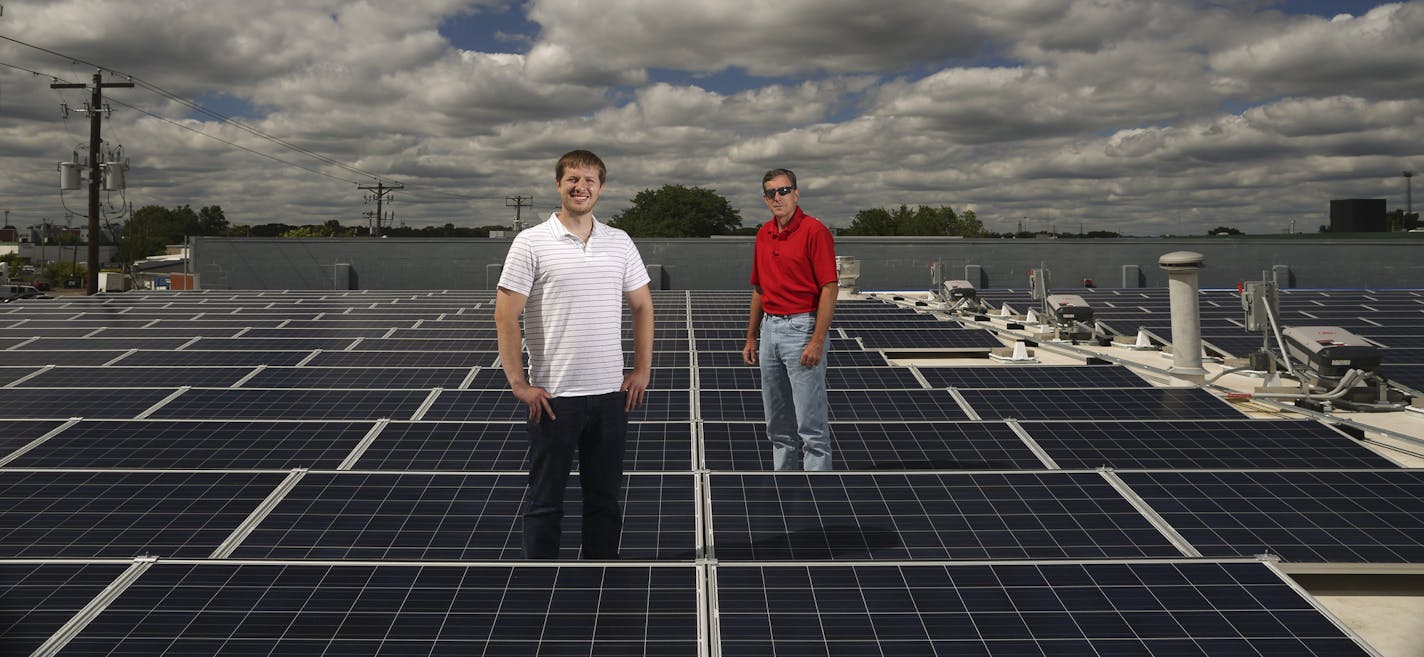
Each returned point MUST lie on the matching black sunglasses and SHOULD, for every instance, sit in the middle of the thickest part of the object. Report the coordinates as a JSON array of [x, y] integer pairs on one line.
[[771, 193]]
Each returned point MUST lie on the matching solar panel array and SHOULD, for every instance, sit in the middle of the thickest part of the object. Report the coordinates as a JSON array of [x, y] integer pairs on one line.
[[341, 473]]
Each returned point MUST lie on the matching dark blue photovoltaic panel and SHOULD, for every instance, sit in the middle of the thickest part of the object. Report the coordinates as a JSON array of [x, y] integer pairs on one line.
[[837, 378], [391, 378], [1033, 376], [15, 434], [188, 358], [881, 446], [1302, 516], [435, 517], [108, 344], [400, 610], [281, 404], [931, 338], [137, 377], [331, 333], [1183, 609], [269, 344], [38, 599], [481, 447], [1201, 444], [395, 344], [188, 445], [818, 517], [845, 405], [50, 514], [833, 359], [663, 378], [40, 358], [401, 359], [78, 402], [1099, 404]]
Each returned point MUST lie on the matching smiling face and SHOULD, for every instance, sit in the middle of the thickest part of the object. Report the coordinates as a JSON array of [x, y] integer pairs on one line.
[[579, 187], [782, 205]]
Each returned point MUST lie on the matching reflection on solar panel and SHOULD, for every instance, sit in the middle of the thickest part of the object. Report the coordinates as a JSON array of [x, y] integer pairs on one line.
[[817, 517], [1034, 376], [38, 599], [394, 344], [833, 359], [1193, 444], [1180, 609], [9, 375], [1303, 516], [936, 338], [438, 517], [402, 378], [269, 344], [66, 344], [482, 447], [400, 359], [279, 404], [136, 377], [1104, 404], [413, 610], [881, 446], [837, 378], [197, 445], [124, 514], [718, 405], [72, 402]]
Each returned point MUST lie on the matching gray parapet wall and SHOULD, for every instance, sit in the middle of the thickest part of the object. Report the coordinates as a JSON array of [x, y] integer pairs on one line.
[[887, 263]]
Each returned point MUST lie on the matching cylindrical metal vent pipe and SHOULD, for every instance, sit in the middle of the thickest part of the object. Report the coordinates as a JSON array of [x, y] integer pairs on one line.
[[1182, 270]]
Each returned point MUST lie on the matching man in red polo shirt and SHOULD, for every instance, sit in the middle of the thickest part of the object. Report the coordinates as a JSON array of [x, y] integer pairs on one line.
[[793, 301]]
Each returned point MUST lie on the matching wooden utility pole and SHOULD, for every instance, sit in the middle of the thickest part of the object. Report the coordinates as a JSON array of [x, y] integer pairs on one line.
[[96, 174], [380, 193]]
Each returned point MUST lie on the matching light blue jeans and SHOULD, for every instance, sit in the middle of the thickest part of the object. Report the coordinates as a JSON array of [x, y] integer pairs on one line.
[[794, 396]]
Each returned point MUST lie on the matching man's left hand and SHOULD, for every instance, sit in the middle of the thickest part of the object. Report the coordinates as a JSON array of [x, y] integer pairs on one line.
[[812, 354], [635, 384]]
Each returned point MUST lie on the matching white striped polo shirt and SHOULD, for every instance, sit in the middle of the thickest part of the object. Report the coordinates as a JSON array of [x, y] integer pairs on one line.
[[573, 319]]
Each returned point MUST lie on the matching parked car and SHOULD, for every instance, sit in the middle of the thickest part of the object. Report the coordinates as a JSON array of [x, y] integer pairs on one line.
[[12, 292], [40, 285]]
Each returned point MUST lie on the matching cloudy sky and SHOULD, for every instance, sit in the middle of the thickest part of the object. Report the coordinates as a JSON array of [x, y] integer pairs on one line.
[[1139, 116]]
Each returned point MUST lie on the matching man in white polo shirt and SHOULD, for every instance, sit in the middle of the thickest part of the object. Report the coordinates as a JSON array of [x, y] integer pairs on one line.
[[569, 277]]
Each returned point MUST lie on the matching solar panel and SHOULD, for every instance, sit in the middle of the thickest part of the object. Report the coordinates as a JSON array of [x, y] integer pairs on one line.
[[159, 444], [399, 609], [881, 446], [269, 344], [1033, 376], [71, 402], [481, 447], [837, 378], [211, 358], [402, 378], [1105, 404], [41, 358], [919, 339], [280, 404], [1301, 515], [455, 345], [901, 405], [132, 377], [401, 359], [67, 344], [175, 332], [9, 375], [52, 514], [437, 517], [38, 599], [833, 359], [15, 434], [1201, 444], [21, 334], [821, 517], [501, 406], [1203, 609]]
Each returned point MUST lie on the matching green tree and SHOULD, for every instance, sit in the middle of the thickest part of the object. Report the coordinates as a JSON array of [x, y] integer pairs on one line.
[[678, 211], [332, 228], [923, 220], [212, 221], [14, 261], [1225, 230]]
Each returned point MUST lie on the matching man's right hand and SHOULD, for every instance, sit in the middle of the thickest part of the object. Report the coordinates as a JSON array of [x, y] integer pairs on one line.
[[749, 352], [537, 399]]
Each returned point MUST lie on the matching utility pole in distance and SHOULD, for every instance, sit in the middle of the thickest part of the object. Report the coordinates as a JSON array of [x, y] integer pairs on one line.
[[96, 105], [518, 203], [381, 189]]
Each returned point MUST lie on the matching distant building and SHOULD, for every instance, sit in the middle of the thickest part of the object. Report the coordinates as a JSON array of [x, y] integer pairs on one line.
[[1358, 215]]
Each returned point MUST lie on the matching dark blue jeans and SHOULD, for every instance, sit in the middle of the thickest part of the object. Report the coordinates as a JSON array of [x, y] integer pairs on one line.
[[595, 425]]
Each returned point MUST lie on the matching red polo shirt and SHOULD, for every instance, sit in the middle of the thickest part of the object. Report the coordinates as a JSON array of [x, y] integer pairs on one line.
[[792, 265]]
